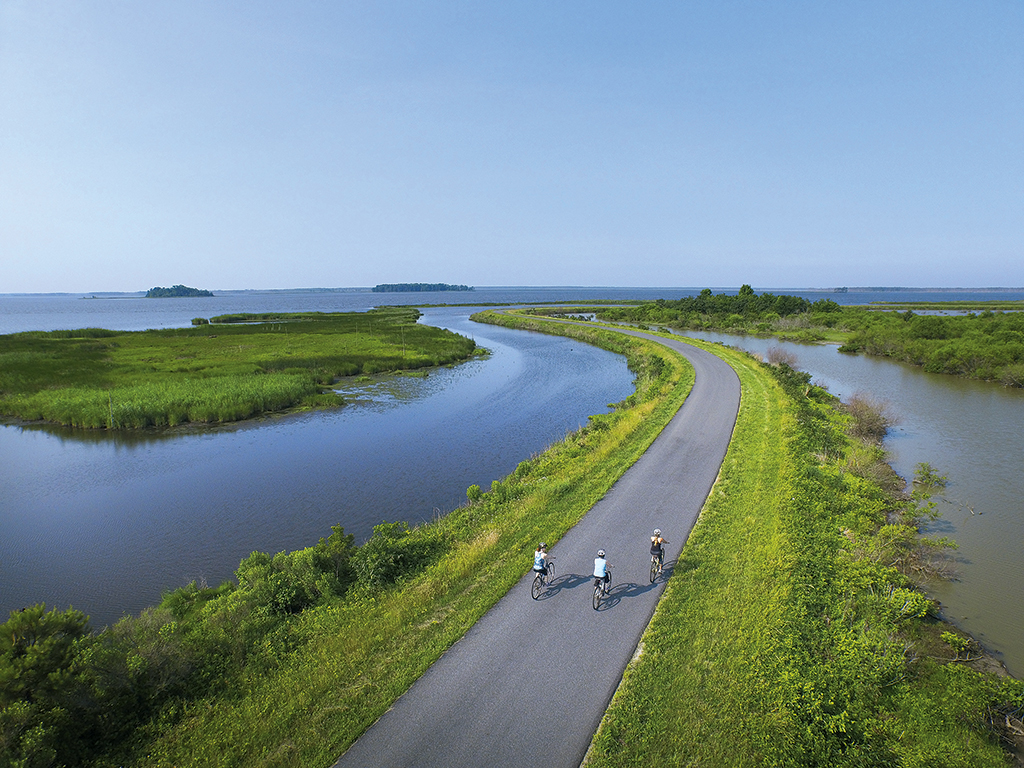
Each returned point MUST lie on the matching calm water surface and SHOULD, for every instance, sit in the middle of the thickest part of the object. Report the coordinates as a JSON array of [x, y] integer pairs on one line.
[[970, 431], [107, 522]]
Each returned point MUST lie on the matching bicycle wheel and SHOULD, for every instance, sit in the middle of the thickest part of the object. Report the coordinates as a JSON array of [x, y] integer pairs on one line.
[[538, 586], [597, 595], [654, 569]]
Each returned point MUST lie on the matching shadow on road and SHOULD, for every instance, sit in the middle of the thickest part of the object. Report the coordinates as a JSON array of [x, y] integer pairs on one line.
[[666, 572], [616, 592], [565, 581], [619, 592]]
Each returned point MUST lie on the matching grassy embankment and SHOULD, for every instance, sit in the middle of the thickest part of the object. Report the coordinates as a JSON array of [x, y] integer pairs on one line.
[[788, 636], [289, 665], [791, 633], [986, 342], [236, 367]]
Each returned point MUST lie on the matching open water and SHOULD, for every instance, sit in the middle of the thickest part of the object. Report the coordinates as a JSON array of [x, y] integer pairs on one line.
[[105, 523]]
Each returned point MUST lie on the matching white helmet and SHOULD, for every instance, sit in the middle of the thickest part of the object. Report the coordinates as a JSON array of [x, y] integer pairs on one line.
[[600, 553], [657, 531]]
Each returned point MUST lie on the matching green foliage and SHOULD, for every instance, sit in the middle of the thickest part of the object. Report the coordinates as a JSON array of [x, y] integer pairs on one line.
[[176, 291], [983, 345], [473, 493], [394, 551], [45, 717]]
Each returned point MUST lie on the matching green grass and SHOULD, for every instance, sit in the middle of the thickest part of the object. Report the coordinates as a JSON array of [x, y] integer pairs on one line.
[[234, 368], [786, 636], [778, 642], [332, 670]]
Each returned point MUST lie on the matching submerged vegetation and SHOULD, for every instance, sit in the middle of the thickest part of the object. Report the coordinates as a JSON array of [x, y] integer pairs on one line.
[[984, 342], [790, 632], [229, 368]]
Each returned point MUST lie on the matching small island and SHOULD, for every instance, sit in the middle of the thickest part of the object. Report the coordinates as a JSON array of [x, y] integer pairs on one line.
[[175, 291], [412, 287]]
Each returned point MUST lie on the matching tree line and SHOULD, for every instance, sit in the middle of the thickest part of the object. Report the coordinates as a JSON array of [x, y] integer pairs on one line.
[[413, 287], [982, 344]]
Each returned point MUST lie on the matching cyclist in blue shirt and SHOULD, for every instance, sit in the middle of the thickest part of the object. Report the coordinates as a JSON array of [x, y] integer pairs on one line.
[[540, 559]]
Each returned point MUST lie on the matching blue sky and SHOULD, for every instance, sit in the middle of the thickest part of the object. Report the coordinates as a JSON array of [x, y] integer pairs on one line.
[[278, 145]]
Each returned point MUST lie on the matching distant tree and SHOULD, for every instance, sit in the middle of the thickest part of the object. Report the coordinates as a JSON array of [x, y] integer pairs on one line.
[[175, 291], [413, 287]]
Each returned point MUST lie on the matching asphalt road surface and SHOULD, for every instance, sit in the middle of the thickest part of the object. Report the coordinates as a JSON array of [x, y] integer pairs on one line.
[[528, 684]]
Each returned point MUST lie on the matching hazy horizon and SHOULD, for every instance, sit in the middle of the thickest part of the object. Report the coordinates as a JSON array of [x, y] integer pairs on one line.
[[716, 289], [267, 144]]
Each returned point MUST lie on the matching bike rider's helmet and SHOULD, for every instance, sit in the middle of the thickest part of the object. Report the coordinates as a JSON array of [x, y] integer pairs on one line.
[[657, 531], [542, 545], [600, 553]]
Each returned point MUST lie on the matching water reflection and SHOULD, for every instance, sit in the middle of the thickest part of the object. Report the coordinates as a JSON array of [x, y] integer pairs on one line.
[[107, 522]]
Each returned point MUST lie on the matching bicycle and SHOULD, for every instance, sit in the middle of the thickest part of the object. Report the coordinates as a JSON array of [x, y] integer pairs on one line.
[[657, 563], [540, 582], [601, 588]]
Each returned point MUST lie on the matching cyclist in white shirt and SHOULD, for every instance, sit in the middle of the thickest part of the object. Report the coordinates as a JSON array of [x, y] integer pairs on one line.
[[602, 569]]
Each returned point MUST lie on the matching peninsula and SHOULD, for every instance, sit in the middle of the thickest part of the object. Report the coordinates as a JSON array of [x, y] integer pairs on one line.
[[227, 368]]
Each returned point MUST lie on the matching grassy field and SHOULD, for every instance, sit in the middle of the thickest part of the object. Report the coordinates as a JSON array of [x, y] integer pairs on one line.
[[790, 634], [235, 367], [332, 670]]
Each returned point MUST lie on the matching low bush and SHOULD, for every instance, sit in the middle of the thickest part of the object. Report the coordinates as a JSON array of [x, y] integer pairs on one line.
[[871, 419]]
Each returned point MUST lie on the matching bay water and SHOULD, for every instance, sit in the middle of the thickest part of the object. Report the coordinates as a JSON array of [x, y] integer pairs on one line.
[[107, 522]]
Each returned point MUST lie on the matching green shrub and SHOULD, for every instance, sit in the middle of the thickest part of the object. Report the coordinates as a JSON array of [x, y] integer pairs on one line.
[[394, 551], [47, 712]]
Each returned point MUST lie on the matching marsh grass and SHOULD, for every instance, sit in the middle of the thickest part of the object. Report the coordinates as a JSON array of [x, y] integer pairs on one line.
[[785, 637], [348, 660], [220, 371]]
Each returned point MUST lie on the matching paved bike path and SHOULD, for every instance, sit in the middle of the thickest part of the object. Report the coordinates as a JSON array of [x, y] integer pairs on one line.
[[528, 684]]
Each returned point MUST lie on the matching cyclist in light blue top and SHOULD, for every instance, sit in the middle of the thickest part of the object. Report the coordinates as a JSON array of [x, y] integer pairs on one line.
[[540, 559], [601, 569]]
